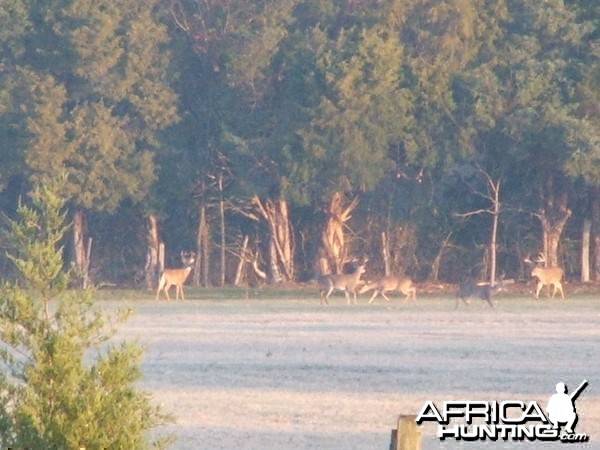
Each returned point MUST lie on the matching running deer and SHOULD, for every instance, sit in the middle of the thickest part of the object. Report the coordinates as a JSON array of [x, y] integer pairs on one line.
[[469, 289], [176, 277], [389, 284], [546, 276], [347, 282]]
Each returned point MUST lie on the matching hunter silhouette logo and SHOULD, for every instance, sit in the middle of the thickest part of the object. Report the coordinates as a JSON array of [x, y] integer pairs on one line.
[[561, 407], [507, 420]]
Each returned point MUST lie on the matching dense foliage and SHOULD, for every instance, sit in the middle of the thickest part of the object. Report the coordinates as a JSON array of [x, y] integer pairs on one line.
[[200, 112]]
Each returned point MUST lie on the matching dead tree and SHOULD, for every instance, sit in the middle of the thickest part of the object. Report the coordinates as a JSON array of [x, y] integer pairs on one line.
[[492, 194], [152, 267], [553, 217], [333, 251], [281, 237]]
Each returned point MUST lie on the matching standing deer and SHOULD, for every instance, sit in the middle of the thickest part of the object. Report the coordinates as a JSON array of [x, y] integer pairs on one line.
[[546, 276], [347, 282], [469, 289], [391, 283], [176, 277]]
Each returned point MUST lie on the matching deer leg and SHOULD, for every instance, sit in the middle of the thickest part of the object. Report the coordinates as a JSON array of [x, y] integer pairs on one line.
[[460, 297], [323, 299], [324, 292], [558, 287], [407, 294], [165, 288], [373, 296], [329, 291], [384, 296], [321, 295], [347, 292]]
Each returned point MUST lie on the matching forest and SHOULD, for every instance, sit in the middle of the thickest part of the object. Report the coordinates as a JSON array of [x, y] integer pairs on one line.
[[280, 139]]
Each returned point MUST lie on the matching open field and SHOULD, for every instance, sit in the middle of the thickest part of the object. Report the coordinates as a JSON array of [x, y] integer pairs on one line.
[[277, 371]]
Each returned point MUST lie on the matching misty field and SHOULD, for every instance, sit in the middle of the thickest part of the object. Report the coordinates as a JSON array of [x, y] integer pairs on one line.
[[254, 371]]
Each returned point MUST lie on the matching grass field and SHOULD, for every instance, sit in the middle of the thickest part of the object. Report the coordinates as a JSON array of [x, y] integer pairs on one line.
[[274, 370]]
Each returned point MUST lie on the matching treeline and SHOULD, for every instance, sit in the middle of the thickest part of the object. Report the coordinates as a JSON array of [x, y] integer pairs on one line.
[[282, 138]]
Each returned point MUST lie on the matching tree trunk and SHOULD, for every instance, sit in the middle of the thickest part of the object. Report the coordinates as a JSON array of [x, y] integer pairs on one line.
[[152, 268], [200, 277], [585, 251], [281, 238], [553, 222], [596, 271], [595, 206], [333, 252], [437, 261], [241, 262], [553, 217], [495, 210], [82, 252], [385, 253], [223, 267], [493, 195]]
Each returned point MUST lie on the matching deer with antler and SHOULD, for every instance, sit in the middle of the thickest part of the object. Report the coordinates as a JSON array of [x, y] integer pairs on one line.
[[176, 277], [347, 282], [546, 276]]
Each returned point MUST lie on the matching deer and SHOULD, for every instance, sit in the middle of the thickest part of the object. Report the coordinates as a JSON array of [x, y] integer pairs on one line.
[[546, 276], [388, 284], [470, 289], [176, 277], [347, 282]]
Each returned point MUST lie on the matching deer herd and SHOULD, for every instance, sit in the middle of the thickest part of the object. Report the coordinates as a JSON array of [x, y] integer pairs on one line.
[[351, 284]]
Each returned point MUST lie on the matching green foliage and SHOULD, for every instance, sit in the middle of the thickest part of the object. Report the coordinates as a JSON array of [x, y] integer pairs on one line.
[[362, 114], [298, 98], [65, 384], [84, 89]]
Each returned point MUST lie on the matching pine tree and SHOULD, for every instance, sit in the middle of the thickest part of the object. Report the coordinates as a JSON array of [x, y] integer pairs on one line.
[[65, 383]]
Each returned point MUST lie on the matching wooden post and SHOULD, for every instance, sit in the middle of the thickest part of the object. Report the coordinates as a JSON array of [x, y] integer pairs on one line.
[[408, 434]]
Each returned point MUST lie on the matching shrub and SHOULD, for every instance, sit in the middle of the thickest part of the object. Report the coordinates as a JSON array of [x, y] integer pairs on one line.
[[65, 384]]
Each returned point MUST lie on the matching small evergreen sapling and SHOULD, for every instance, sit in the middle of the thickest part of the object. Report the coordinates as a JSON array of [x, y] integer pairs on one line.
[[63, 383]]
